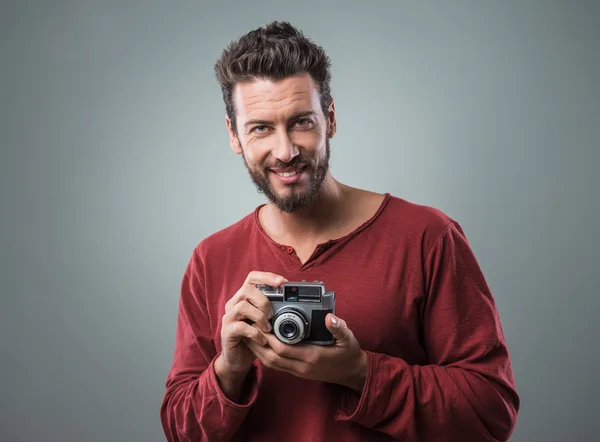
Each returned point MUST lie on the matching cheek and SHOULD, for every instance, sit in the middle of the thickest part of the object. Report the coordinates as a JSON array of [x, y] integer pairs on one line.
[[256, 151]]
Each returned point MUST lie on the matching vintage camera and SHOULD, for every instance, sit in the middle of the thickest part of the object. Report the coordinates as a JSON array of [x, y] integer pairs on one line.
[[299, 311]]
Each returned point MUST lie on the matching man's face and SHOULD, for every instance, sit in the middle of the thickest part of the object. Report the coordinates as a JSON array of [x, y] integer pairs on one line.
[[283, 138]]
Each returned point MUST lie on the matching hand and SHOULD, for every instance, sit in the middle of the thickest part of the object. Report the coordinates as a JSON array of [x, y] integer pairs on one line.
[[248, 303], [342, 363]]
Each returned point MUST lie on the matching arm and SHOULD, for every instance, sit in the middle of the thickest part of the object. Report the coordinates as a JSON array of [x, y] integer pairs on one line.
[[467, 393], [197, 404]]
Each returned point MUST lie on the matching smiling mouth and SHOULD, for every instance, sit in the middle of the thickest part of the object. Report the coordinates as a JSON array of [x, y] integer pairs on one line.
[[289, 173]]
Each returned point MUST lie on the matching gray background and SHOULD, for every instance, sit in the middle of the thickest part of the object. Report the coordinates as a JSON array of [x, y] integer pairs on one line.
[[115, 162]]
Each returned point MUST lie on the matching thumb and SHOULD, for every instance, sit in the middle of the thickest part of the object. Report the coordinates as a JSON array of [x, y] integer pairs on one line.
[[337, 327]]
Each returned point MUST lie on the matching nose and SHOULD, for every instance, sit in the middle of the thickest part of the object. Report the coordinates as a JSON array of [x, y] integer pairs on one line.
[[285, 150]]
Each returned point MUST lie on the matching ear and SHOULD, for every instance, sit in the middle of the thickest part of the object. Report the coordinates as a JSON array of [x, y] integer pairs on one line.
[[331, 122], [234, 142]]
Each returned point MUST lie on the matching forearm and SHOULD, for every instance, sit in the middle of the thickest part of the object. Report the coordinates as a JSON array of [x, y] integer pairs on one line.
[[431, 403], [231, 383], [357, 377], [198, 408]]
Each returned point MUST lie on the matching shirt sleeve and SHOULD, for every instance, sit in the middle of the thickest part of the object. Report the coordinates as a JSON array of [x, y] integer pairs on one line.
[[467, 391], [194, 407]]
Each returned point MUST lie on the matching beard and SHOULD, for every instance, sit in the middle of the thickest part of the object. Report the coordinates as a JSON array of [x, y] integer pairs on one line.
[[296, 197]]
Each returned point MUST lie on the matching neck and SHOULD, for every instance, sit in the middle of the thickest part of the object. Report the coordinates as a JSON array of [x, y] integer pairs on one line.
[[323, 216]]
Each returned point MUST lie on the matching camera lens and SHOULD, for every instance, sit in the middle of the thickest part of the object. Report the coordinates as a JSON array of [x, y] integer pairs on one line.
[[290, 326], [288, 329]]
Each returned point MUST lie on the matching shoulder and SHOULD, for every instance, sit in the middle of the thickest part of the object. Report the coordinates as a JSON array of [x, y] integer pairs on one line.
[[415, 216], [408, 220]]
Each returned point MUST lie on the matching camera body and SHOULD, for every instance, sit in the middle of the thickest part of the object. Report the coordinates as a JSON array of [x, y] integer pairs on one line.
[[299, 311]]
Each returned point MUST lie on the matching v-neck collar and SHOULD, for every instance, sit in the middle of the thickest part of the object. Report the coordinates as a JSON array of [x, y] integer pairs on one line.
[[321, 247]]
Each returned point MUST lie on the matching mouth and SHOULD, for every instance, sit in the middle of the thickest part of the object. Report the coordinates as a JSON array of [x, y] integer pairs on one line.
[[288, 171], [289, 175]]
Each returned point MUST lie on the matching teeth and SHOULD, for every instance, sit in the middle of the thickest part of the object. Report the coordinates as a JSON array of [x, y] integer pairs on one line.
[[287, 174]]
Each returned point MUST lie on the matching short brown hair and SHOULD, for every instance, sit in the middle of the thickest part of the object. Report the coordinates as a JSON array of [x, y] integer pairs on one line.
[[275, 51]]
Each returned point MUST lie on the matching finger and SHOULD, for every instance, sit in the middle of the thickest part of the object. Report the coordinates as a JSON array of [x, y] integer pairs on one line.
[[249, 292], [272, 360], [298, 352], [258, 299], [337, 327], [239, 296], [267, 278], [245, 310], [258, 351], [244, 330]]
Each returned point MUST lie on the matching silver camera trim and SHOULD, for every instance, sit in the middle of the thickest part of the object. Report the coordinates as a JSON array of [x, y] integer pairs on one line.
[[295, 317], [304, 307]]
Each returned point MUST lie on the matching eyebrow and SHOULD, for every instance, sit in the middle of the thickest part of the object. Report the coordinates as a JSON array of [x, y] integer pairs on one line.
[[295, 116]]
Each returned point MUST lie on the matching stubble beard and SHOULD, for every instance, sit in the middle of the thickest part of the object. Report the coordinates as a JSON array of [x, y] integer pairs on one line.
[[296, 196]]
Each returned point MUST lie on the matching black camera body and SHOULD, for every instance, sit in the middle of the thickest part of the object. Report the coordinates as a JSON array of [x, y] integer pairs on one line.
[[299, 311]]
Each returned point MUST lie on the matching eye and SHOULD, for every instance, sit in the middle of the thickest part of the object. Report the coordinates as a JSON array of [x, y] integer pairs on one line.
[[304, 123], [260, 129]]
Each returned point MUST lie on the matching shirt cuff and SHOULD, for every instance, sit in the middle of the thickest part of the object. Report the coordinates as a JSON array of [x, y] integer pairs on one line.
[[249, 390], [353, 404]]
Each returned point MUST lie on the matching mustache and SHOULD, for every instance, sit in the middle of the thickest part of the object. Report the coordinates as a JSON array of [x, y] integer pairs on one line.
[[296, 162]]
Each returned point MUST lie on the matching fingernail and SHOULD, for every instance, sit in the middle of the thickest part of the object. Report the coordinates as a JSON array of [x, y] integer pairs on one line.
[[334, 321]]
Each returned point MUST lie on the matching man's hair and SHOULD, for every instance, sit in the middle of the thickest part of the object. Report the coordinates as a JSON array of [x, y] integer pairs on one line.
[[273, 52]]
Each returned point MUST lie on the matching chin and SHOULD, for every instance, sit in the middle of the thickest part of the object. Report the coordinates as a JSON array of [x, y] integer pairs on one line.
[[288, 195], [293, 202]]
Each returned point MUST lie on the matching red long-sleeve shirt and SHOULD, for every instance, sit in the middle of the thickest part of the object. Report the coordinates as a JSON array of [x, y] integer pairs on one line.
[[408, 286]]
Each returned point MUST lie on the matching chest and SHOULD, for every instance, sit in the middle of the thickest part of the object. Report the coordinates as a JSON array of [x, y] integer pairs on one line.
[[380, 296], [383, 311]]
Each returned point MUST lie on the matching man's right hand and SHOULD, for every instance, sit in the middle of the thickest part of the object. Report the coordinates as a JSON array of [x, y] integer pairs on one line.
[[249, 303]]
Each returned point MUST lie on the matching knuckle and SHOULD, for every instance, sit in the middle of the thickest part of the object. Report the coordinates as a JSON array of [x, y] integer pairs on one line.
[[351, 336], [311, 358], [315, 357], [264, 303], [240, 328], [231, 315], [304, 369], [226, 332], [255, 334], [279, 350], [234, 300], [235, 328], [265, 306], [271, 359], [242, 311], [226, 318], [237, 308]]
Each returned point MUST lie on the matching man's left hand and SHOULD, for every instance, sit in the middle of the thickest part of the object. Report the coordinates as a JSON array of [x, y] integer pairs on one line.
[[342, 363]]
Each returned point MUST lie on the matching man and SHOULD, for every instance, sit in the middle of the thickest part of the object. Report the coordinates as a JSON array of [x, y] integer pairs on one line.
[[419, 352]]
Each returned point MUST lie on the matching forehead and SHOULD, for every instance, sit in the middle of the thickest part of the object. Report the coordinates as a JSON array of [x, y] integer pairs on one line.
[[262, 98]]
